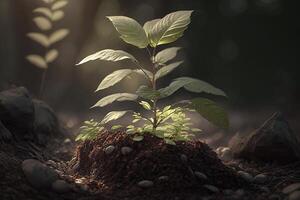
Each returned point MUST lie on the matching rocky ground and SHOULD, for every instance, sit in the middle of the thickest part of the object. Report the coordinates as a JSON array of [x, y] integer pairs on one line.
[[39, 161]]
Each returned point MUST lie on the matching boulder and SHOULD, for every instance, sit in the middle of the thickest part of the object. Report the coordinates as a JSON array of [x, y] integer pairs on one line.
[[46, 124], [5, 135], [274, 141], [17, 112]]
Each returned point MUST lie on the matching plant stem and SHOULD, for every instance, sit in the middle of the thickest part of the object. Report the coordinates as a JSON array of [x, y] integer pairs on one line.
[[154, 107], [42, 84]]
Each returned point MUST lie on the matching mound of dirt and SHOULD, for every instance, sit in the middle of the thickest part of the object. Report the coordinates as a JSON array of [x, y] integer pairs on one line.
[[188, 167]]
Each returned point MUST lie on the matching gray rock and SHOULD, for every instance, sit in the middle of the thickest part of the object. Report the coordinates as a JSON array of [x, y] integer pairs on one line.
[[260, 179], [17, 112], [295, 195], [265, 189], [239, 193], [228, 192], [61, 186], [46, 124], [246, 176], [212, 188], [200, 175], [145, 184], [291, 188], [126, 150], [38, 174], [273, 141], [163, 178], [183, 158], [108, 150], [5, 135]]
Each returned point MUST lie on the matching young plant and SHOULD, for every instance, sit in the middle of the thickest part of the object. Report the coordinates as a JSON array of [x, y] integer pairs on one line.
[[45, 21], [169, 123]]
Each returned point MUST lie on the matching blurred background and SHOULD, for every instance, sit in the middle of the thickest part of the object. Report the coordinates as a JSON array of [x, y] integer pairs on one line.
[[248, 48]]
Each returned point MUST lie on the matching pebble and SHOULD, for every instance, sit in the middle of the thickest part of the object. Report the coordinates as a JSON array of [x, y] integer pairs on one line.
[[291, 188], [108, 150], [246, 176], [183, 158], [295, 195], [126, 150], [38, 174], [212, 188], [145, 184], [61, 186], [163, 178], [228, 192], [67, 141], [265, 190], [239, 192], [260, 179], [200, 175]]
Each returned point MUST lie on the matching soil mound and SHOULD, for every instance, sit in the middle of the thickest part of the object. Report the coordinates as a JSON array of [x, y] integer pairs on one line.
[[188, 166]]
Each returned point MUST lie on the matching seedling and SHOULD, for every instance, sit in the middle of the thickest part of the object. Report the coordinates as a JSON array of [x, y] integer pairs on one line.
[[170, 122], [48, 15]]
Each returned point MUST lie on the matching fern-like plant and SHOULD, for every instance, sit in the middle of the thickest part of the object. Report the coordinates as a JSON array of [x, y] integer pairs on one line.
[[45, 19], [170, 122]]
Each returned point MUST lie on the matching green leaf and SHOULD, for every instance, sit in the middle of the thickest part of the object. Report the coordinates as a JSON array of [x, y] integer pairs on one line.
[[58, 15], [167, 69], [51, 55], [115, 97], [192, 85], [169, 141], [148, 27], [59, 4], [147, 93], [170, 28], [58, 35], [199, 86], [113, 78], [211, 111], [109, 55], [39, 38], [45, 11], [145, 105], [113, 115], [138, 138], [38, 61], [115, 127], [166, 55], [43, 23], [140, 72], [130, 30]]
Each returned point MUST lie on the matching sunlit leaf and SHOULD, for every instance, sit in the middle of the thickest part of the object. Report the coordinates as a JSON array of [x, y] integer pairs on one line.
[[39, 38], [58, 35], [138, 138], [113, 78], [45, 11], [43, 23], [108, 55], [165, 70], [59, 4], [148, 26], [170, 28], [211, 111], [113, 115], [130, 31], [37, 60], [115, 127], [147, 93], [115, 97], [141, 72], [58, 15], [166, 55], [169, 141], [145, 105], [51, 55]]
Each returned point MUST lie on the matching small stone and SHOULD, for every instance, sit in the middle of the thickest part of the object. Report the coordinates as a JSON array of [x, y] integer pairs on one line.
[[265, 190], [145, 184], [246, 176], [274, 197], [183, 158], [38, 174], [61, 186], [67, 141], [228, 192], [212, 188], [291, 188], [200, 175], [260, 178], [295, 195], [239, 192], [163, 178], [126, 150], [108, 150]]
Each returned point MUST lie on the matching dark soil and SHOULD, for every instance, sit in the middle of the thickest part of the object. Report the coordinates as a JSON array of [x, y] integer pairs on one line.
[[150, 159]]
